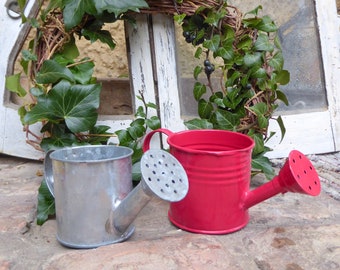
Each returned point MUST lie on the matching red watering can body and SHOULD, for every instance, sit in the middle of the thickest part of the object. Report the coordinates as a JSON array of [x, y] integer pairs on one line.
[[218, 165]]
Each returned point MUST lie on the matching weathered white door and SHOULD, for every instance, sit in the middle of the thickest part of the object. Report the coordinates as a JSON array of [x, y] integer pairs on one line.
[[154, 71]]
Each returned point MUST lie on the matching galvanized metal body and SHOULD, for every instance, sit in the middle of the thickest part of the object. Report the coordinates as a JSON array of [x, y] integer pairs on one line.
[[88, 183], [92, 185]]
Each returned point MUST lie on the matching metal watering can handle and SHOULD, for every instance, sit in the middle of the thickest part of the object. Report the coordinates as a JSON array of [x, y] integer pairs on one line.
[[48, 172], [147, 140]]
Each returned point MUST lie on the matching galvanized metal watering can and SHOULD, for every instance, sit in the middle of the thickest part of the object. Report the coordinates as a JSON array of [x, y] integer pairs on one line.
[[94, 200], [218, 165]]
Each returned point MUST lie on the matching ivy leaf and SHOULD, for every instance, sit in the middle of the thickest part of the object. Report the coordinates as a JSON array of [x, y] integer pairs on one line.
[[281, 96], [153, 123], [227, 53], [197, 71], [212, 44], [118, 6], [205, 109], [267, 25], [282, 127], [198, 124], [259, 143], [253, 59], [226, 120], [79, 112], [51, 72], [58, 141], [124, 137], [263, 44], [136, 131], [83, 72], [13, 84], [74, 11], [46, 206], [255, 11], [283, 77], [102, 35], [277, 61], [199, 90], [262, 163]]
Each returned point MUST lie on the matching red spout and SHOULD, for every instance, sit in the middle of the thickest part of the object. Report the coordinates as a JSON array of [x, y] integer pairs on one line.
[[297, 175]]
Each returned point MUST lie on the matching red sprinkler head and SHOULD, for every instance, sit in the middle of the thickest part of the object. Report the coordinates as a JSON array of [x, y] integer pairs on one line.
[[297, 175]]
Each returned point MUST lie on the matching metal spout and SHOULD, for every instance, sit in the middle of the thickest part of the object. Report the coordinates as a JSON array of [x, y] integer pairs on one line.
[[126, 212], [162, 176], [297, 175]]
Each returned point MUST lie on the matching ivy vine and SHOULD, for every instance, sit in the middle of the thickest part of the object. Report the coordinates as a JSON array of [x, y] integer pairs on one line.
[[242, 53]]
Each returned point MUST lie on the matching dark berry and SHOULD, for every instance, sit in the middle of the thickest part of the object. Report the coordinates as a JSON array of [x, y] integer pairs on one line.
[[209, 69], [186, 34]]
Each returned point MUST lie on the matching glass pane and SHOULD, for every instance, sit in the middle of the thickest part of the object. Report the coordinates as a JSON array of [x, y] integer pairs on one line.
[[301, 49]]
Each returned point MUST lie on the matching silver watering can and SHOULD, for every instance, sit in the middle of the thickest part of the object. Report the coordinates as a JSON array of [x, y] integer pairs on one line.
[[94, 198]]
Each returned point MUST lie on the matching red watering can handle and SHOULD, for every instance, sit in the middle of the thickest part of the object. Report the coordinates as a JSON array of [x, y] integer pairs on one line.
[[146, 144]]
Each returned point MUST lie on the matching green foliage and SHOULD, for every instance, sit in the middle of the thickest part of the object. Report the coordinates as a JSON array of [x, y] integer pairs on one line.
[[249, 68], [46, 206], [133, 135]]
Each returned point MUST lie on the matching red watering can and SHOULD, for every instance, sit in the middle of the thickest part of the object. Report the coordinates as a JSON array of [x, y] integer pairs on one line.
[[218, 165]]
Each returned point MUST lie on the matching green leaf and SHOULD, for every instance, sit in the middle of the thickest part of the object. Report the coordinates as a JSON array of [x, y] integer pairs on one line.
[[70, 50], [28, 56], [35, 91], [75, 9], [153, 122], [124, 137], [245, 43], [118, 6], [136, 172], [258, 72], [259, 108], [212, 44], [263, 164], [253, 59], [136, 131], [76, 104], [198, 52], [151, 105], [178, 18], [103, 35], [197, 71], [51, 72], [226, 53], [226, 120], [281, 96], [13, 84], [259, 143], [58, 141], [199, 90], [277, 61], [282, 127], [198, 124], [267, 25], [83, 72], [46, 206], [262, 121], [255, 11], [263, 44], [204, 109], [283, 77]]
